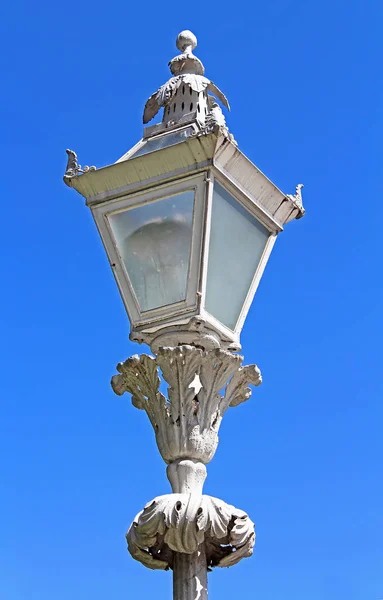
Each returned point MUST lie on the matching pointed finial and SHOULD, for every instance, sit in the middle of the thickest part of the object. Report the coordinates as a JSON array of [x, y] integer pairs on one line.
[[186, 41]]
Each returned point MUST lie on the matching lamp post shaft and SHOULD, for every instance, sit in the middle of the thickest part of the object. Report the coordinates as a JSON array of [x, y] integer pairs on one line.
[[190, 576]]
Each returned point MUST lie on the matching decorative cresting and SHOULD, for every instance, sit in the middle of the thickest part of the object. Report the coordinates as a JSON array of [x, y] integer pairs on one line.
[[187, 423], [297, 198], [73, 169], [202, 385], [186, 91]]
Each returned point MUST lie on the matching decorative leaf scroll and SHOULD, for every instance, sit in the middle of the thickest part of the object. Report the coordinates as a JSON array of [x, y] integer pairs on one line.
[[179, 367], [182, 522], [237, 390], [217, 367], [186, 425], [220, 95], [139, 377]]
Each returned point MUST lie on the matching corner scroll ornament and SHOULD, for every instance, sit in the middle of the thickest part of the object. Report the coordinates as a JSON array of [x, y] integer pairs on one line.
[[186, 424], [297, 197], [73, 169], [216, 122]]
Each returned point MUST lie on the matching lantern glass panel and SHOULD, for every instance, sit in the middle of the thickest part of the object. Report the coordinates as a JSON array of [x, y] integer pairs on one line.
[[162, 141], [237, 242], [154, 243]]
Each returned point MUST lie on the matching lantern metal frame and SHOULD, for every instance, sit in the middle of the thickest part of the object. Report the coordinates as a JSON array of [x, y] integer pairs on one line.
[[194, 305], [193, 163], [101, 214]]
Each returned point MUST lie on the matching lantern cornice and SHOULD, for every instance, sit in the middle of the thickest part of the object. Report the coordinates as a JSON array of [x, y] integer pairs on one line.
[[195, 154]]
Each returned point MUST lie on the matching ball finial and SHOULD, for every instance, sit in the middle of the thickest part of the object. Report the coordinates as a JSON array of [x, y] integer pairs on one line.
[[186, 39]]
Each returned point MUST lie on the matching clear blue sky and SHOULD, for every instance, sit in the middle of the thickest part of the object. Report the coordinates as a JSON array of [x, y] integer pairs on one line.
[[304, 456]]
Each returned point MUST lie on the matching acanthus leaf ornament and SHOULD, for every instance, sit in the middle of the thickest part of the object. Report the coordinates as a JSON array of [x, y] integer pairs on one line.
[[139, 377], [219, 94], [237, 390], [186, 427], [186, 424], [181, 523]]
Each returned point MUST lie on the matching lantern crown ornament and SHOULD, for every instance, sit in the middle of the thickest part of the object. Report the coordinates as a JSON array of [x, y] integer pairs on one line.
[[187, 90], [187, 220]]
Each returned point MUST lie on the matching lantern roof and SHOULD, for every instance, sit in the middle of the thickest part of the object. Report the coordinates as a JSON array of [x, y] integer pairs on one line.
[[191, 137], [190, 156]]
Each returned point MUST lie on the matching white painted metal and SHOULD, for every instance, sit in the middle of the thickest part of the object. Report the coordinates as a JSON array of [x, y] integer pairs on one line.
[[254, 285], [248, 201], [206, 237]]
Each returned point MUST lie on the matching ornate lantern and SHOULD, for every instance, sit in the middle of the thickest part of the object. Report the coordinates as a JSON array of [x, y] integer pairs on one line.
[[188, 223]]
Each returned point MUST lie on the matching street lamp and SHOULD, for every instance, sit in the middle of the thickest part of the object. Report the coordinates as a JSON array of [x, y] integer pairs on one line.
[[188, 223]]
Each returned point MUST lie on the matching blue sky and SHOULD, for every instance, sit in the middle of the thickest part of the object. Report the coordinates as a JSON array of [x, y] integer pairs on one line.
[[304, 456]]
